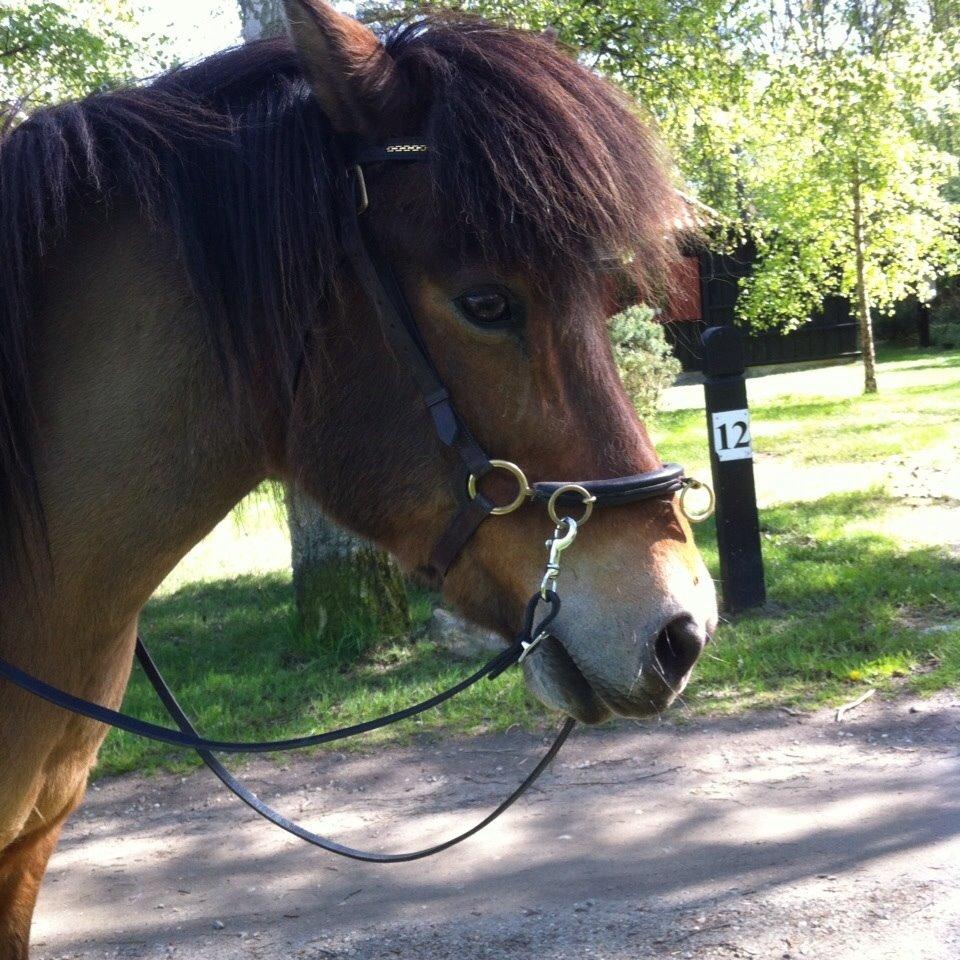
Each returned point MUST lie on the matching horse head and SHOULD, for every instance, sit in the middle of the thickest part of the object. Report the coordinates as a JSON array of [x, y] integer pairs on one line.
[[542, 200]]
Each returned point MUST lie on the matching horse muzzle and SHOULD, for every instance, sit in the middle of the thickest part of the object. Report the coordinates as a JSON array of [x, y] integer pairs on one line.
[[594, 676]]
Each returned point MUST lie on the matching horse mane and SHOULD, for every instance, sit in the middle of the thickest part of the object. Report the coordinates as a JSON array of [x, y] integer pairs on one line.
[[535, 161]]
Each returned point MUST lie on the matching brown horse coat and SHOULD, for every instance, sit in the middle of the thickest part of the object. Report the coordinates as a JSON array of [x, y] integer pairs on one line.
[[170, 262]]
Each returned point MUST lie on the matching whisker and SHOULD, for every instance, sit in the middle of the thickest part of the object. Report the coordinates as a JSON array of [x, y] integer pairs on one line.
[[713, 656], [679, 697], [656, 710]]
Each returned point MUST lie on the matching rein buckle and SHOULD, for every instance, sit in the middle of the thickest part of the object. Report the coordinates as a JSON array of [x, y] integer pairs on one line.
[[524, 491], [530, 645], [705, 512]]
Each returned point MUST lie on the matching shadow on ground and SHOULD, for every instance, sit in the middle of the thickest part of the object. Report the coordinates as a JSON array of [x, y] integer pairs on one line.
[[636, 833]]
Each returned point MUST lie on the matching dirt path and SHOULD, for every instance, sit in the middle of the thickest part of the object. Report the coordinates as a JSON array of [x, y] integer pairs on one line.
[[767, 836]]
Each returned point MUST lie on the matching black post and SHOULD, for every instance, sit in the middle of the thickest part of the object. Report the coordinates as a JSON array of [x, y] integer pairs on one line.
[[731, 462], [923, 324]]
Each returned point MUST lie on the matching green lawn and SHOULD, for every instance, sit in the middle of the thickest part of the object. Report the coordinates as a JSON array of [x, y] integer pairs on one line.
[[861, 535]]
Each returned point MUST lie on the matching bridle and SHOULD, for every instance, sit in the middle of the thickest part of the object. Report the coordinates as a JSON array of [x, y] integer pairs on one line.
[[403, 334], [473, 507]]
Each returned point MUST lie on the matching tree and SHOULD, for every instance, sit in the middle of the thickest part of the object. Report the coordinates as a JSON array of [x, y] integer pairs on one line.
[[644, 357], [824, 129], [261, 18], [51, 51], [844, 166], [682, 61], [345, 588]]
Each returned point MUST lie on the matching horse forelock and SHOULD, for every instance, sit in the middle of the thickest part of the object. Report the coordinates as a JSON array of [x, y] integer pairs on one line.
[[535, 161]]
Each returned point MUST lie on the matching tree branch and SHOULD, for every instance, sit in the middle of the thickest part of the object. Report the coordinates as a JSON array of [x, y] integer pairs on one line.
[[13, 51]]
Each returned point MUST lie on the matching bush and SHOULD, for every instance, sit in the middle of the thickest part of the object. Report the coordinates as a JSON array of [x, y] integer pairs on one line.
[[900, 325], [646, 361], [945, 315]]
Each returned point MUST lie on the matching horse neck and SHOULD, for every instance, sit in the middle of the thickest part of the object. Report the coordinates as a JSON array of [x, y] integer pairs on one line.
[[141, 450]]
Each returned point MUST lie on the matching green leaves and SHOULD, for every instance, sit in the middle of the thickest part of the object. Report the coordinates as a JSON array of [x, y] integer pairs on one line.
[[52, 51], [774, 111], [840, 104], [646, 362]]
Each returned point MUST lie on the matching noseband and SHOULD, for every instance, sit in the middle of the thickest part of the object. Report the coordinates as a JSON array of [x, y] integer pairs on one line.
[[473, 507]]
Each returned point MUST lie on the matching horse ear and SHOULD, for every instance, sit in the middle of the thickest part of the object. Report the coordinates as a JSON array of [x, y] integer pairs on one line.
[[349, 70]]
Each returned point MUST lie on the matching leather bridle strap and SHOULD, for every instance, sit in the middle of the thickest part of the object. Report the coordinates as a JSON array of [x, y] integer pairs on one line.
[[457, 533], [191, 741], [325, 843], [381, 286], [669, 479], [187, 735], [379, 283]]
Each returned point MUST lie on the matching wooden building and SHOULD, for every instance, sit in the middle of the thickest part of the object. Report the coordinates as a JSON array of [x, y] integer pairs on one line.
[[706, 287]]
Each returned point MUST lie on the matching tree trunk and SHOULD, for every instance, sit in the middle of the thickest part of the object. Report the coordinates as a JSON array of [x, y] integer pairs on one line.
[[261, 18], [344, 587], [863, 302]]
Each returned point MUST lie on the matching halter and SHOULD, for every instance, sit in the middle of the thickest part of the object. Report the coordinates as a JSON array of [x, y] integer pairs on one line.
[[400, 327]]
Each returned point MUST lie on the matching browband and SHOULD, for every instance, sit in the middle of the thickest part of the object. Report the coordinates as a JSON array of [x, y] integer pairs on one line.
[[388, 150]]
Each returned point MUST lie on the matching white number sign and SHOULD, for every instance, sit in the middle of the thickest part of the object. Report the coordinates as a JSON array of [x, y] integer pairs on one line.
[[731, 435]]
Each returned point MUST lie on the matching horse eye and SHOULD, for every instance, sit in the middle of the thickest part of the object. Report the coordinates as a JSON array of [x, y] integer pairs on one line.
[[486, 307]]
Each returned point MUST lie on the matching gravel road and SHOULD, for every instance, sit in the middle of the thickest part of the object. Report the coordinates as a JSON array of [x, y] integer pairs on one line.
[[769, 835]]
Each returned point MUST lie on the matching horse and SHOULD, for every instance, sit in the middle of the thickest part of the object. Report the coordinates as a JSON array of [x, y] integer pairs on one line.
[[178, 323]]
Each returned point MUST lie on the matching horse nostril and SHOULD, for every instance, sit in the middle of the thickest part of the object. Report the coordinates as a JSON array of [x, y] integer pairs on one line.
[[677, 647]]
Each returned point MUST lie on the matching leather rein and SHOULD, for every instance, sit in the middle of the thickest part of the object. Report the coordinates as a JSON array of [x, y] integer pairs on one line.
[[399, 325]]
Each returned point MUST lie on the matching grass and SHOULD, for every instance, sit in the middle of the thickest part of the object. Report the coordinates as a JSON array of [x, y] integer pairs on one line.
[[850, 606], [231, 651], [862, 591], [918, 406]]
